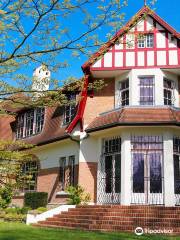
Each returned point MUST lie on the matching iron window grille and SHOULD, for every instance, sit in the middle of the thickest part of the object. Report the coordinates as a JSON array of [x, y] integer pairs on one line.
[[123, 98], [30, 172], [109, 172], [147, 170], [176, 156], [69, 109], [168, 92], [146, 41], [146, 86], [30, 123], [67, 172]]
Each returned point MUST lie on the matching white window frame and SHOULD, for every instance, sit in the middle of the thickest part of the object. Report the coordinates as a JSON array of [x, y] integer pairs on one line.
[[144, 41], [170, 90], [120, 101]]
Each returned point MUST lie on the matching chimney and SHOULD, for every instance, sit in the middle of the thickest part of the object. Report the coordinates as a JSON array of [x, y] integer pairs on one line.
[[41, 79]]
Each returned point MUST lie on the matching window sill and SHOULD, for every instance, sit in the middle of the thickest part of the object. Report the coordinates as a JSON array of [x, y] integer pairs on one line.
[[62, 193]]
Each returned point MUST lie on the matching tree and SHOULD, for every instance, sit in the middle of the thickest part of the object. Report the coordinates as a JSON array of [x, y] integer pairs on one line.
[[38, 31]]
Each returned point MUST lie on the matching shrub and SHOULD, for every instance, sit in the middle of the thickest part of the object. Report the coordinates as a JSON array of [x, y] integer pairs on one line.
[[6, 194], [41, 209], [17, 210], [35, 199], [77, 195]]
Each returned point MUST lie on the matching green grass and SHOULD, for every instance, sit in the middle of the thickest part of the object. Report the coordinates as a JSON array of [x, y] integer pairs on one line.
[[18, 231]]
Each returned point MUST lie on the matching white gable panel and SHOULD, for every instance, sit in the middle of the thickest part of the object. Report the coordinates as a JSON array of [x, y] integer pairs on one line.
[[140, 58], [161, 40], [150, 58], [150, 25], [97, 64], [159, 27], [108, 59], [173, 57], [130, 59], [118, 59], [172, 41], [161, 57], [140, 25]]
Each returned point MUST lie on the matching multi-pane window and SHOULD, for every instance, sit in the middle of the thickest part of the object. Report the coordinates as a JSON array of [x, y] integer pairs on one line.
[[67, 172], [29, 123], [146, 91], [146, 41], [147, 173], [168, 92], [30, 172], [69, 108], [112, 160], [124, 93], [176, 151]]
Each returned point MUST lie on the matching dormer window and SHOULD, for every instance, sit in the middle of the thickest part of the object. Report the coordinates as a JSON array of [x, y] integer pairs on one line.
[[168, 92], [69, 109], [30, 123], [146, 41]]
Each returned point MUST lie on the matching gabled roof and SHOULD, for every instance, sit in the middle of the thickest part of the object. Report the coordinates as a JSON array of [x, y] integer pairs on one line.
[[132, 116], [140, 14]]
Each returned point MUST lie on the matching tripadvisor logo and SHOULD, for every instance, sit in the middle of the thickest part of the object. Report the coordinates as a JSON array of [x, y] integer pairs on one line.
[[139, 231]]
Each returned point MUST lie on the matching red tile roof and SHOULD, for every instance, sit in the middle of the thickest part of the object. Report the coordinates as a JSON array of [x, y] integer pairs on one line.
[[53, 130], [136, 116]]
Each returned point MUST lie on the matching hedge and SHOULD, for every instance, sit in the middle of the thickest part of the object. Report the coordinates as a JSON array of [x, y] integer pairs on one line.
[[35, 199]]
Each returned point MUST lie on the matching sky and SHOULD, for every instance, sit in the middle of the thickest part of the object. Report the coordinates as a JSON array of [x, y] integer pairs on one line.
[[166, 9]]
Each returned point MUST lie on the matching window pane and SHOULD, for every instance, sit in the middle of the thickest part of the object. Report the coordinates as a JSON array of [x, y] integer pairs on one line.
[[124, 93], [69, 109], [138, 172], [108, 174], [146, 91], [155, 173], [168, 92], [118, 173]]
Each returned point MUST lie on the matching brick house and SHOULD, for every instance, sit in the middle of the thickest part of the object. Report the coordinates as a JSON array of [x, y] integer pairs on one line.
[[121, 143]]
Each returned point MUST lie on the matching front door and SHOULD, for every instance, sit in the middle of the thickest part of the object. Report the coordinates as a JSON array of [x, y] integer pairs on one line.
[[109, 173], [147, 176]]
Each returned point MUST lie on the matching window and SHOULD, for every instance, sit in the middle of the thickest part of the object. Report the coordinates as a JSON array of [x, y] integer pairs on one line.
[[67, 172], [29, 123], [147, 172], [124, 93], [69, 109], [112, 158], [176, 150], [146, 41], [146, 91], [30, 169], [168, 92]]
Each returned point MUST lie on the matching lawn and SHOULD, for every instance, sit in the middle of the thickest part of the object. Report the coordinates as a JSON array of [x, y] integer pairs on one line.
[[18, 231]]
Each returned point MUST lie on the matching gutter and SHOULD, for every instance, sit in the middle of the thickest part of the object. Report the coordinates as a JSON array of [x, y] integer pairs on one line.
[[112, 125]]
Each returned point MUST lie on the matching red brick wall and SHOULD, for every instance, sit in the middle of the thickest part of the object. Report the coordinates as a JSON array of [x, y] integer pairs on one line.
[[48, 181], [5, 127], [88, 178], [102, 101]]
